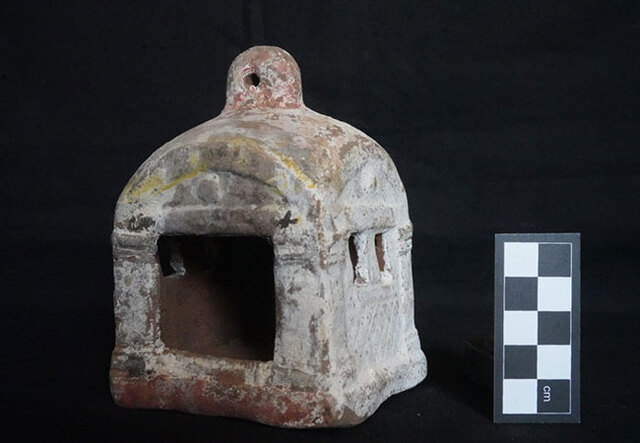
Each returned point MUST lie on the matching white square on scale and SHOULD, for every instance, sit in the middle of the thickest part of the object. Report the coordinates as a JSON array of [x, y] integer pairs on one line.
[[520, 328], [554, 293], [554, 362], [519, 396], [520, 259]]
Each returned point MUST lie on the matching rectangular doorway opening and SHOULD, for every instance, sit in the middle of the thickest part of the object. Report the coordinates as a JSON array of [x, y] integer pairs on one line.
[[217, 296]]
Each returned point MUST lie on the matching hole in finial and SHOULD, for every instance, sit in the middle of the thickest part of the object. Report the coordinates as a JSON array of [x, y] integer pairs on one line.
[[252, 79]]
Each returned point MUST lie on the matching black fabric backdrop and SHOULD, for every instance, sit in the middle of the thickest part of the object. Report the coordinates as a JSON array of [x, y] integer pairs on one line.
[[500, 116]]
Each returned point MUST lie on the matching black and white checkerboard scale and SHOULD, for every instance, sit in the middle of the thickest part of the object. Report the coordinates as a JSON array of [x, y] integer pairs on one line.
[[536, 345]]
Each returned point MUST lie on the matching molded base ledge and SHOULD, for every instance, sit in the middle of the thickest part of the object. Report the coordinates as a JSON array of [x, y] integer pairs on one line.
[[277, 406], [284, 406]]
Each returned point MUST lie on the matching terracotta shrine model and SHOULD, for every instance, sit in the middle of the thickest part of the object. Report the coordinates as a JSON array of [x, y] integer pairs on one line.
[[262, 265]]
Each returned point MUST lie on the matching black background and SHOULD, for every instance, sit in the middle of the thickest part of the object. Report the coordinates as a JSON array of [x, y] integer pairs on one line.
[[506, 116]]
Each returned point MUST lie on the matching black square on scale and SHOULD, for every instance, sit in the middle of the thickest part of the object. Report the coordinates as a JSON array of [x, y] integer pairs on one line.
[[554, 396], [554, 260], [521, 294], [554, 328], [520, 361]]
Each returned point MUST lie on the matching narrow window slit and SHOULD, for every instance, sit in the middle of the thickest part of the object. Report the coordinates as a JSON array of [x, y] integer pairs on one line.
[[353, 254], [379, 252]]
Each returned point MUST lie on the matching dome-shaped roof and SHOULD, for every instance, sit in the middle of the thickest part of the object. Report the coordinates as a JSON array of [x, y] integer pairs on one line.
[[266, 133]]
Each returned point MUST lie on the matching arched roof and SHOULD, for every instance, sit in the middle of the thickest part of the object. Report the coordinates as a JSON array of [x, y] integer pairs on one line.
[[267, 135], [293, 150]]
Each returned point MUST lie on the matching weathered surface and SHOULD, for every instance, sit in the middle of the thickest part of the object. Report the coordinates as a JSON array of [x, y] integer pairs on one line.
[[330, 202]]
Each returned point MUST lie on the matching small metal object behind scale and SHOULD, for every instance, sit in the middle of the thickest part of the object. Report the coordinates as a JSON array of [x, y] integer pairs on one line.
[[537, 328]]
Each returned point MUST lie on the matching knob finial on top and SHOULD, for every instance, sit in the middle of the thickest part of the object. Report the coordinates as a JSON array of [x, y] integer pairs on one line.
[[264, 77]]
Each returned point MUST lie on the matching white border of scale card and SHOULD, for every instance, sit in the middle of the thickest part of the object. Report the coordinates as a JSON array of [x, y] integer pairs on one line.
[[518, 399]]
